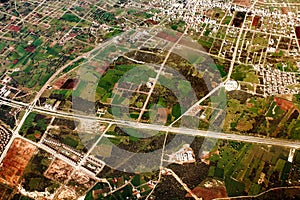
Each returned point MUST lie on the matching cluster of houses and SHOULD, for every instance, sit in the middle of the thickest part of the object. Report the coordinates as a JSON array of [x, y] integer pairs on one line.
[[4, 91], [5, 136], [92, 164], [276, 81]]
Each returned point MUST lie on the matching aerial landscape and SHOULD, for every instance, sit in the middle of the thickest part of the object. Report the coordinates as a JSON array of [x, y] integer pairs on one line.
[[149, 99]]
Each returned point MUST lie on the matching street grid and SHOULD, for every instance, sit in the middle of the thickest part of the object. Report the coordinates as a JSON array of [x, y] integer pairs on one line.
[[33, 107]]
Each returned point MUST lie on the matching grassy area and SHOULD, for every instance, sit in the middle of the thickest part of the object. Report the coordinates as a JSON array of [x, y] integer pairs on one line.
[[113, 33], [28, 123], [296, 131], [255, 189], [211, 171], [70, 141], [206, 42], [227, 20], [33, 178], [2, 46], [74, 65], [279, 165], [251, 77], [70, 17], [261, 41], [244, 73], [233, 187]]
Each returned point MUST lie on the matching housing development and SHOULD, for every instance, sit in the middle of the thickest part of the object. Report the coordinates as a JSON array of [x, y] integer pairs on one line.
[[136, 99]]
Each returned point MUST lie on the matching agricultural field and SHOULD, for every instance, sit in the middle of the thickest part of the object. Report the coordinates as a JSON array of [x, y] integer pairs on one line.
[[9, 115], [139, 99], [35, 126], [251, 114], [115, 93], [33, 178], [130, 185], [248, 168], [39, 57], [75, 134]]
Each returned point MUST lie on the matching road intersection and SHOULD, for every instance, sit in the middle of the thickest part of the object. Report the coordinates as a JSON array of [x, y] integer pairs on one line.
[[154, 127]]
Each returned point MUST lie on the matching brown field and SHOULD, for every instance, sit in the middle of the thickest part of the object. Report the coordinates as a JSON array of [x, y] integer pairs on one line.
[[59, 171], [285, 10], [245, 3], [82, 183], [209, 193], [57, 85], [283, 104], [15, 161], [168, 37], [70, 84], [256, 20]]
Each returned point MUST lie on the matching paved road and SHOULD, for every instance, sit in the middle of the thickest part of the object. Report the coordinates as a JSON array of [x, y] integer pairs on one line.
[[178, 179], [29, 107], [61, 157], [234, 55], [154, 127]]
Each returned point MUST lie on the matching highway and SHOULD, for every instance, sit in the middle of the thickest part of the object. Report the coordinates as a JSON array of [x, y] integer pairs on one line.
[[29, 107], [154, 127], [60, 156]]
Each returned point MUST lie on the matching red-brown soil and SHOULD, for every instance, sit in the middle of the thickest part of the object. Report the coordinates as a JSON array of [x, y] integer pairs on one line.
[[15, 161]]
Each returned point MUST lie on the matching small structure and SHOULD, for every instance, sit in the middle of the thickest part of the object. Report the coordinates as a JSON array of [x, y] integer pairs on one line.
[[151, 183], [231, 85], [291, 155], [261, 178], [184, 155], [6, 79], [3, 90], [150, 82]]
